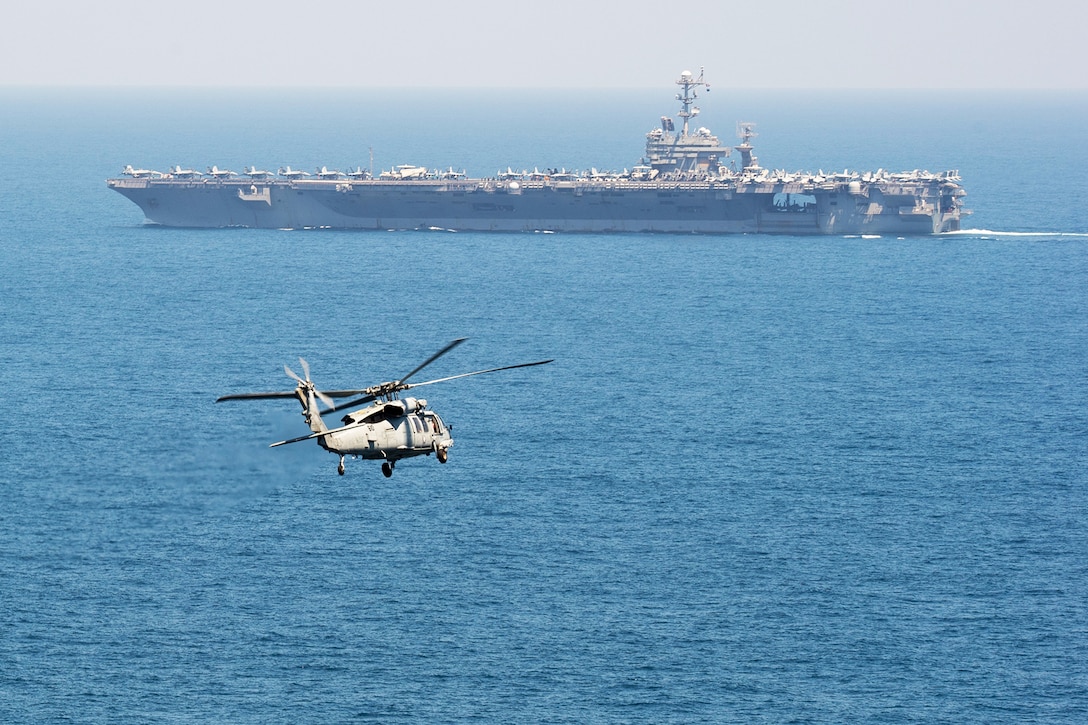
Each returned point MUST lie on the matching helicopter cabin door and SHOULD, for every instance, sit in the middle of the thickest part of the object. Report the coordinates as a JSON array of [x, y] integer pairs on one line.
[[419, 432]]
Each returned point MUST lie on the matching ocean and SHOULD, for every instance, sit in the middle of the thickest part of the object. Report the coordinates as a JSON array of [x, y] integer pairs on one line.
[[766, 479]]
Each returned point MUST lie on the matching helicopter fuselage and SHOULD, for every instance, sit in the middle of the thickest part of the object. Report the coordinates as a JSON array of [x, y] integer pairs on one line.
[[390, 431], [387, 430]]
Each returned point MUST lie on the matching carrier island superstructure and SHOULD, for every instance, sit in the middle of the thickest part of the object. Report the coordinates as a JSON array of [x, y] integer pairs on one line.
[[686, 182]]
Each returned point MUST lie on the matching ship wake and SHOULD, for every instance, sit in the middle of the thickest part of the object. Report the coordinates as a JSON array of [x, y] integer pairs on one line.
[[995, 233]]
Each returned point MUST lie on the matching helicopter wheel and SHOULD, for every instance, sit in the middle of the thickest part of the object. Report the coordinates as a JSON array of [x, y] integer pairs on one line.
[[443, 455], [387, 469], [340, 468]]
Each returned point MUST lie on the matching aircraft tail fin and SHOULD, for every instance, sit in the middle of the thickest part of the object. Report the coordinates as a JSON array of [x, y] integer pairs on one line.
[[310, 410]]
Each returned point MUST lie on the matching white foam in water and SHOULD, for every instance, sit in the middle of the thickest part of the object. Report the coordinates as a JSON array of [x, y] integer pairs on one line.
[[992, 233]]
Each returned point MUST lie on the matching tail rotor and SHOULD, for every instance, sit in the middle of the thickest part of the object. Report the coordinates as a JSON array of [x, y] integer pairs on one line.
[[307, 383]]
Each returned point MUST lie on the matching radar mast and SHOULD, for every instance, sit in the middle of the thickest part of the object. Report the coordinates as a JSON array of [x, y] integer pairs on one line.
[[689, 83]]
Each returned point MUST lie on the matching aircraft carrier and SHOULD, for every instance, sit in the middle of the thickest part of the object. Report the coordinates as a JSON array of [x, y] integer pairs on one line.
[[687, 182]]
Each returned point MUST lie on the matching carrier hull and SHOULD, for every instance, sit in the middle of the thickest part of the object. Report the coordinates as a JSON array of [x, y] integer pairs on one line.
[[578, 206]]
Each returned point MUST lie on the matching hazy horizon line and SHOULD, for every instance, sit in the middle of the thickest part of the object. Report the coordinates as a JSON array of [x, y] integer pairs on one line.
[[526, 87]]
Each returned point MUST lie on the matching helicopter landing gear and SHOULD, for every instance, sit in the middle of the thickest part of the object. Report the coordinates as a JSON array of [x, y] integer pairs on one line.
[[340, 468], [443, 455], [387, 469]]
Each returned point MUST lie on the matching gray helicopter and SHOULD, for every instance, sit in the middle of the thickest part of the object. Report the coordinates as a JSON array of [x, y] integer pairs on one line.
[[388, 429]]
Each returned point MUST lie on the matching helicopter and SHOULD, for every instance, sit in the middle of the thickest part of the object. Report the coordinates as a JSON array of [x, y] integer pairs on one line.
[[388, 429]]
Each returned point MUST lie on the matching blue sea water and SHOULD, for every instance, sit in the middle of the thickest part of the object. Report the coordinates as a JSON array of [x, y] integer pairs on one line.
[[767, 479]]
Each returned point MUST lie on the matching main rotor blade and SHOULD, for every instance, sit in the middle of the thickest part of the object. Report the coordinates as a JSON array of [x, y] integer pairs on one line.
[[343, 393], [370, 398], [253, 396], [292, 394], [351, 404], [293, 440], [434, 357], [478, 372]]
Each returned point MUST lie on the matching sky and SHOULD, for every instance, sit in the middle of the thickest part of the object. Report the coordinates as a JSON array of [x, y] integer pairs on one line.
[[772, 44]]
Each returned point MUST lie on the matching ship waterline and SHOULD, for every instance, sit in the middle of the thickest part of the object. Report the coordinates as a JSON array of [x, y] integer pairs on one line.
[[682, 185]]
